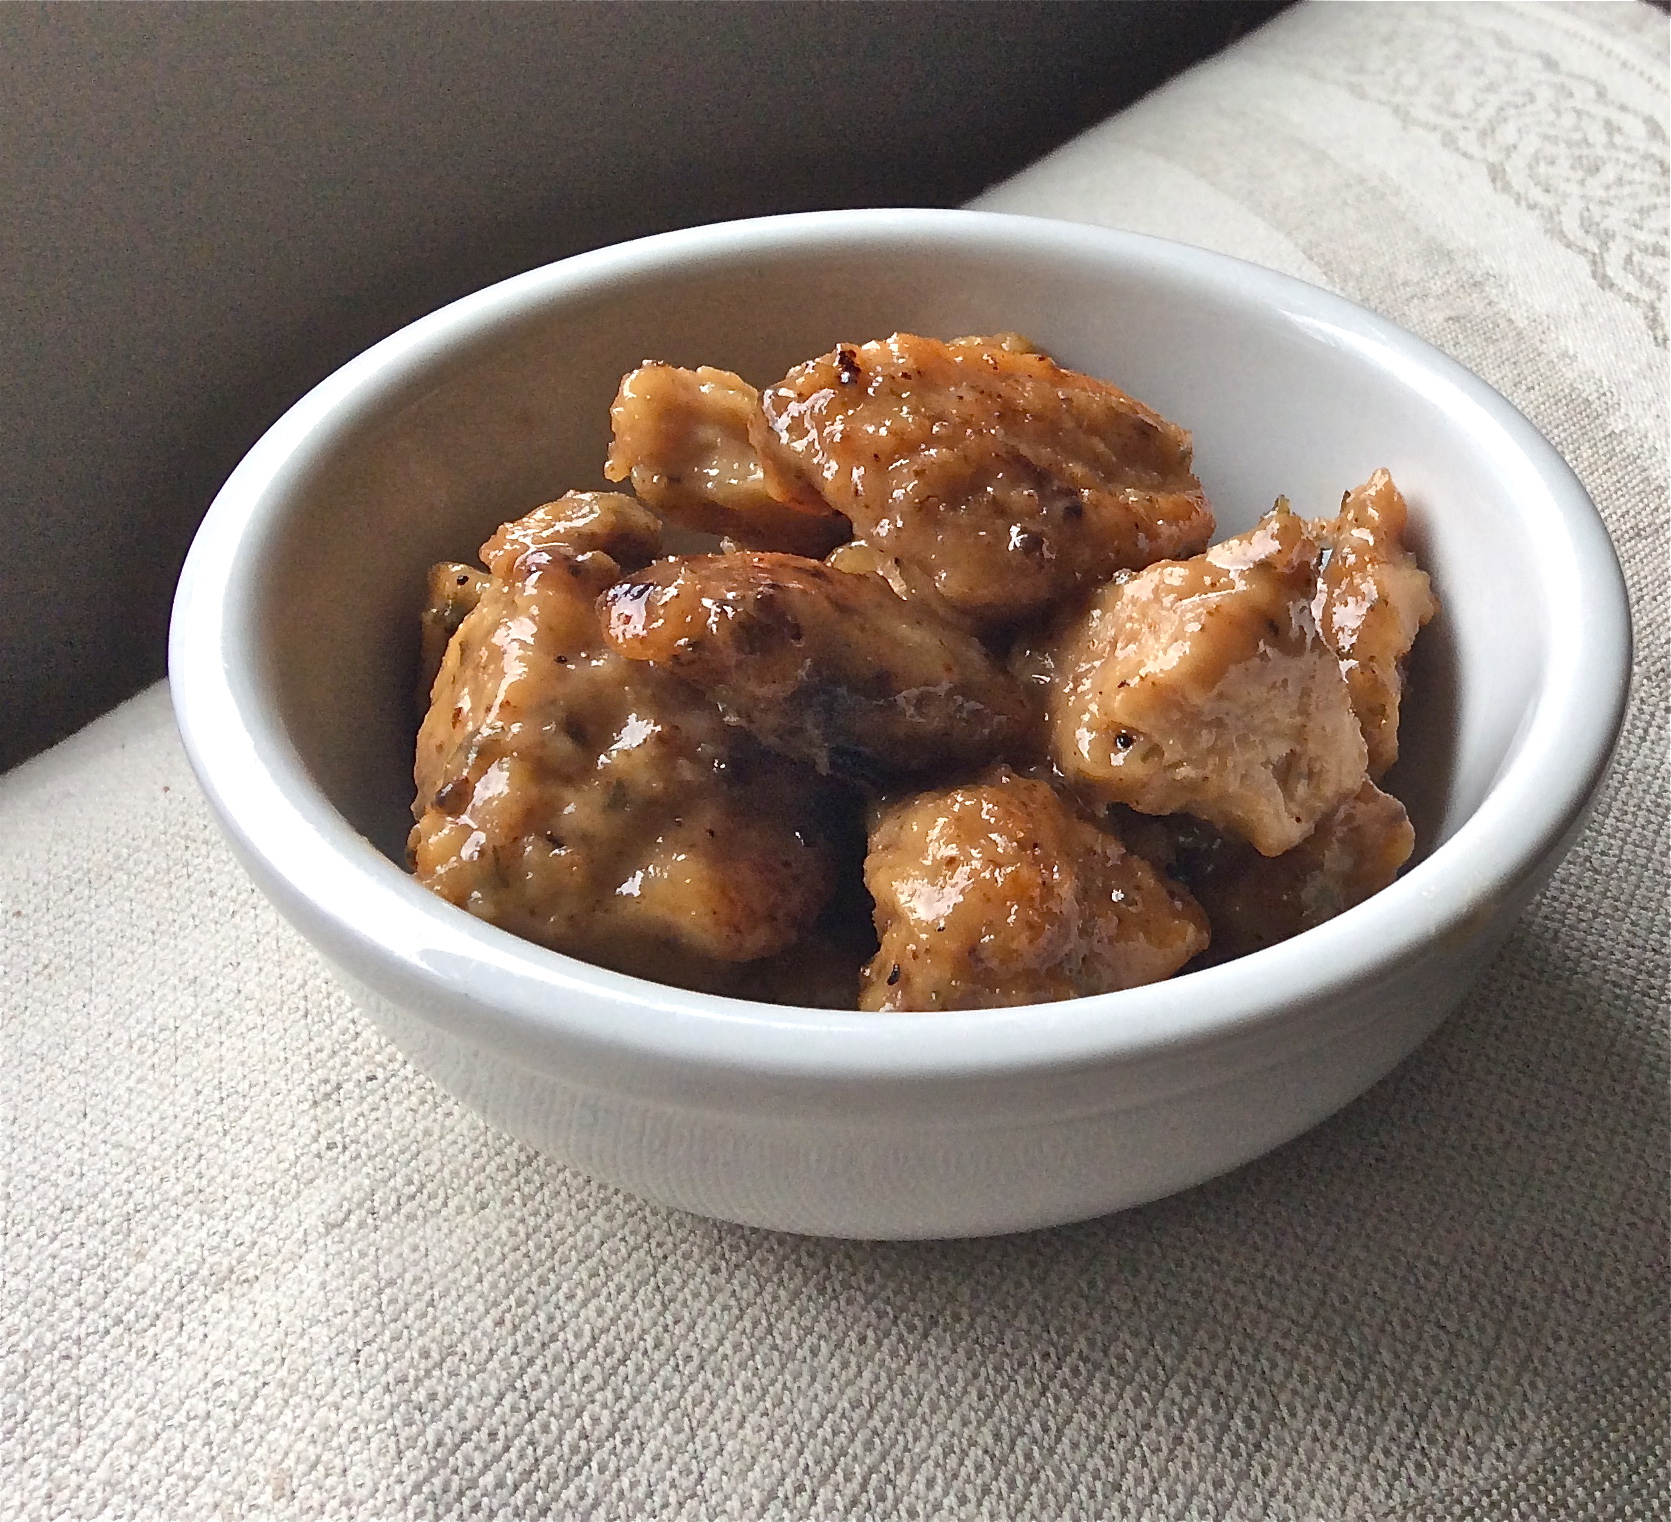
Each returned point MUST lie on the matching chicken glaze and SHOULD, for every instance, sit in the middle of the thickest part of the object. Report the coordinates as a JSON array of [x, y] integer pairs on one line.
[[1007, 480], [1018, 736], [824, 665], [597, 805]]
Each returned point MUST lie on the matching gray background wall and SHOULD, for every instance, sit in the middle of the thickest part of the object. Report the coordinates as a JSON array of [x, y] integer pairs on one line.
[[206, 208]]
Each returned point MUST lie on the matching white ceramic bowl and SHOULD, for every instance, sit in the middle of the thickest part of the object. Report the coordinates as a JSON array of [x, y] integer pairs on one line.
[[293, 652]]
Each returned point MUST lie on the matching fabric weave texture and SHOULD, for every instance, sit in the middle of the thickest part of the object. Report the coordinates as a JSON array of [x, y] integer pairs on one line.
[[253, 1265]]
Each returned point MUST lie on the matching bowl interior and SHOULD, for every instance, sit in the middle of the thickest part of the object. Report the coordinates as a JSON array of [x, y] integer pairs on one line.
[[500, 403]]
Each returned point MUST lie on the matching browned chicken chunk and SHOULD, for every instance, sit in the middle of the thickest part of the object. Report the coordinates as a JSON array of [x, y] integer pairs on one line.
[[821, 664], [1372, 600], [999, 894], [683, 437], [1007, 479], [940, 561], [1203, 686], [596, 805], [1254, 901], [576, 525]]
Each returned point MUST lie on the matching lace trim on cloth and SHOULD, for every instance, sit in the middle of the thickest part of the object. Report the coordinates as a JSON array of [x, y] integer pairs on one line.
[[1591, 168], [252, 1263]]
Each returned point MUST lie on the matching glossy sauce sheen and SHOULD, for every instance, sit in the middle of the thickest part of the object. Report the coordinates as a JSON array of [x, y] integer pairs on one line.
[[824, 665], [1371, 601], [1001, 893], [1009, 481], [1024, 738], [1203, 687], [594, 804], [682, 437]]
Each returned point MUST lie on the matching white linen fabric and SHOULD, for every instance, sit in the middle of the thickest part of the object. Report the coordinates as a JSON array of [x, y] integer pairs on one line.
[[251, 1264]]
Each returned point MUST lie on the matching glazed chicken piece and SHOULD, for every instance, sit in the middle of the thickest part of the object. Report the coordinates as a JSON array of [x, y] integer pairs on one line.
[[453, 592], [683, 438], [1253, 901], [1372, 599], [596, 805], [824, 665], [1203, 686], [568, 531], [1004, 478], [998, 893]]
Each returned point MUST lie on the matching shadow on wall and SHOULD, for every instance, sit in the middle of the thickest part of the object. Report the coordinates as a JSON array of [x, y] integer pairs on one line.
[[204, 209]]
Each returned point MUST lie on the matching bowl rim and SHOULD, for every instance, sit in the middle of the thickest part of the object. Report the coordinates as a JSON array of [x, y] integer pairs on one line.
[[495, 989]]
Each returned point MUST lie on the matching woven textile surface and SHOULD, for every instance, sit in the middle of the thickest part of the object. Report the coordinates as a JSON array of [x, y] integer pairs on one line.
[[251, 1264]]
